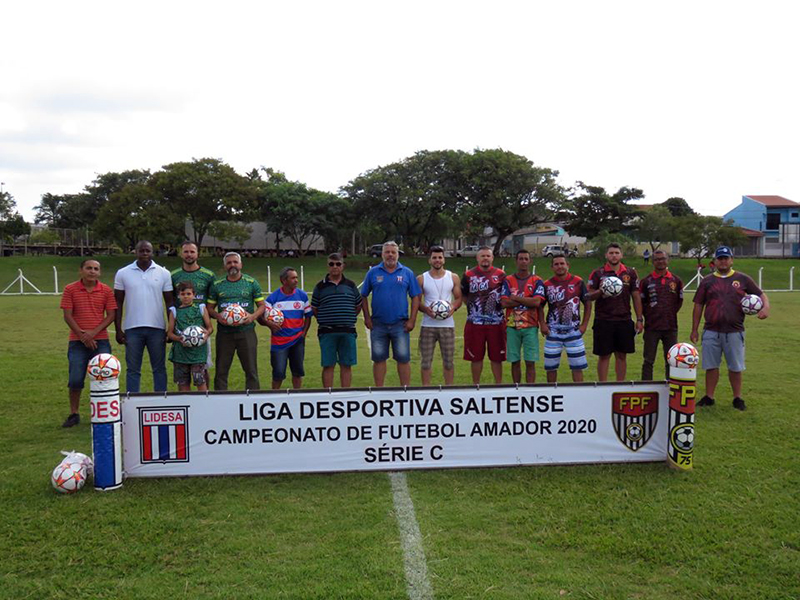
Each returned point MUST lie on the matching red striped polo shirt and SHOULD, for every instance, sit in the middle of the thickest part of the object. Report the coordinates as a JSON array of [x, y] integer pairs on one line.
[[89, 308]]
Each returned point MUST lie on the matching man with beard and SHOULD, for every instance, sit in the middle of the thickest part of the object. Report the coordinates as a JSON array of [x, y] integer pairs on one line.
[[190, 270], [481, 287], [239, 338], [438, 284], [143, 287], [614, 331]]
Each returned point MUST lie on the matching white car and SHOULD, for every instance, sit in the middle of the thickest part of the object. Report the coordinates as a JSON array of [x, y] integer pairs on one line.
[[468, 251]]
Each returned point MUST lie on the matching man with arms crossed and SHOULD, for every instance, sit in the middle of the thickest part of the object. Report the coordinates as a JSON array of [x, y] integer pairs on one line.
[[89, 308], [438, 284], [662, 298], [523, 294], [721, 294], [481, 287], [240, 338], [564, 327], [143, 288], [391, 284], [614, 332], [289, 338], [336, 303]]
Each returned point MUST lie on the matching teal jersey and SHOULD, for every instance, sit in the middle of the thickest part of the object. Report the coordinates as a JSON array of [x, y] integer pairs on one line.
[[245, 292], [202, 279], [184, 317]]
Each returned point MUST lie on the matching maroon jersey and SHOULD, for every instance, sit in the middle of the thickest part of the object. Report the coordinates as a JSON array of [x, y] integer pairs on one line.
[[662, 298], [481, 291], [615, 308], [564, 297], [722, 297]]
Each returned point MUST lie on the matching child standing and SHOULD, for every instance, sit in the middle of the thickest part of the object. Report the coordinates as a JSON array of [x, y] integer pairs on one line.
[[189, 361]]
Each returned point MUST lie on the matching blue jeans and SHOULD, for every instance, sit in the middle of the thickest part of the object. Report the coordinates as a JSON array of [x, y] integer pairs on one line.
[[79, 357], [135, 341], [381, 335]]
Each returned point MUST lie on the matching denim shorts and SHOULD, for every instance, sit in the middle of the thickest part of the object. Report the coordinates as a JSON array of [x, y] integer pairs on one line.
[[382, 335], [715, 344], [294, 355], [79, 357]]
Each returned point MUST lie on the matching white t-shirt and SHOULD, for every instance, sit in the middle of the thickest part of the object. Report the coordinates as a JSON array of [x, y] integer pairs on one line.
[[144, 299], [437, 289]]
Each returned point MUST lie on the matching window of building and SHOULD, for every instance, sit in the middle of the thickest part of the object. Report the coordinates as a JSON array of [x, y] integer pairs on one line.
[[773, 221]]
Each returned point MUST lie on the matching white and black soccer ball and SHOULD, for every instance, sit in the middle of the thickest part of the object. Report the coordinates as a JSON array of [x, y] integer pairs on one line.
[[440, 309], [683, 437], [275, 315], [683, 356], [611, 286], [751, 304], [193, 335], [68, 477], [233, 314]]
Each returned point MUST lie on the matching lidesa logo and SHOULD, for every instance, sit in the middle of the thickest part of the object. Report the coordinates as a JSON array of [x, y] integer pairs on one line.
[[164, 434]]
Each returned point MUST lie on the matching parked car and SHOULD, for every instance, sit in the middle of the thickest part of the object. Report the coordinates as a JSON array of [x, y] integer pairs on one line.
[[553, 249], [376, 251], [468, 251], [591, 252]]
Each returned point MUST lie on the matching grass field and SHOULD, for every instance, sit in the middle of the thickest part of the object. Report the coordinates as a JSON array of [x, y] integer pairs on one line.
[[728, 529]]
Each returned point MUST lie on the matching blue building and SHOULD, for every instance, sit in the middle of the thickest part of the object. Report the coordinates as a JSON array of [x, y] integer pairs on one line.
[[776, 218]]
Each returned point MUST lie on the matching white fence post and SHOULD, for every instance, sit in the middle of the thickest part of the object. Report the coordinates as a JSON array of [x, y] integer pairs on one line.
[[269, 278], [791, 279], [55, 279], [760, 270], [302, 278]]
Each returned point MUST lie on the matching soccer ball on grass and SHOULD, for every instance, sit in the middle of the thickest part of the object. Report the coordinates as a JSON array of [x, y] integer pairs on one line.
[[68, 477]]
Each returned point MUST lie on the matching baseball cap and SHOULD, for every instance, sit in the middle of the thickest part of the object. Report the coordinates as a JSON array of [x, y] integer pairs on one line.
[[723, 251]]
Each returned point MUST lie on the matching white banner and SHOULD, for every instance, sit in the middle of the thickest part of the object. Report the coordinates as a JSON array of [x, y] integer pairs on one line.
[[391, 429]]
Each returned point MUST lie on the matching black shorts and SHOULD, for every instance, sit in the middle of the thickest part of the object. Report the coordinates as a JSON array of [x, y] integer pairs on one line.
[[613, 336]]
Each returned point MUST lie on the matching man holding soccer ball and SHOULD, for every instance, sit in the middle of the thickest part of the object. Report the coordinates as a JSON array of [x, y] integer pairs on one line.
[[721, 295], [438, 285], [612, 287], [238, 337]]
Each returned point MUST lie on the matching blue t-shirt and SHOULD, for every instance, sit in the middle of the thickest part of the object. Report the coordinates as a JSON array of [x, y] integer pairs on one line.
[[390, 292]]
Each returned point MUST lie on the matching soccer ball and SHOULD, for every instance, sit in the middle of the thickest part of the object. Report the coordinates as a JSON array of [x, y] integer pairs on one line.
[[103, 367], [683, 356], [68, 477], [233, 314], [440, 308], [751, 304], [683, 437], [194, 335], [275, 315], [611, 286]]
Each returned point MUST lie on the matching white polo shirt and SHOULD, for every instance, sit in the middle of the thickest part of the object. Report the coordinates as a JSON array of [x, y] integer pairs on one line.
[[144, 299]]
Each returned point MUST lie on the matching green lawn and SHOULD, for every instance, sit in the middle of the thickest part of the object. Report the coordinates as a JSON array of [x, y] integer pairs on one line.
[[728, 529]]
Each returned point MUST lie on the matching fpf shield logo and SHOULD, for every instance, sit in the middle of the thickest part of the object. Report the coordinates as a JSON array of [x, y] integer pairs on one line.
[[164, 434], [634, 415]]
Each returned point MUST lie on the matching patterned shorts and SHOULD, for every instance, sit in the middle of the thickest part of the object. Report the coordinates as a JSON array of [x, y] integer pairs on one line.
[[570, 340], [446, 336]]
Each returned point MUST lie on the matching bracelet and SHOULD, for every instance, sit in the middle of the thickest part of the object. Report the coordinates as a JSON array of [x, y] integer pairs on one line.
[[640, 320]]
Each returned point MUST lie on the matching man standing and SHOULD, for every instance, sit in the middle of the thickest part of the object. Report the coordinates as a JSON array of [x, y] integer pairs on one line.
[[614, 331], [336, 303], [522, 295], [239, 338], [190, 270], [288, 338], [391, 284], [438, 284], [146, 287], [481, 287], [564, 327], [89, 308], [662, 298], [721, 294]]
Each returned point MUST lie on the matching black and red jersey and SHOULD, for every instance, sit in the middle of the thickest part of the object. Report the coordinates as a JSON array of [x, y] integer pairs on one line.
[[614, 308], [564, 298], [722, 296], [662, 298]]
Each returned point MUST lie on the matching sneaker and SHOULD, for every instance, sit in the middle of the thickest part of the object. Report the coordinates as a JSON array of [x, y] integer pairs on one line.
[[72, 420], [706, 401], [739, 404]]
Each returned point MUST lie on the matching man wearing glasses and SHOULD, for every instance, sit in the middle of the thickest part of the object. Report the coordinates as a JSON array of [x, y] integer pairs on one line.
[[721, 294], [336, 303]]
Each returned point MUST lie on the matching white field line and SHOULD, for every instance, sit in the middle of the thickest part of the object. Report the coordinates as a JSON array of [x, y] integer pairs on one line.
[[419, 588]]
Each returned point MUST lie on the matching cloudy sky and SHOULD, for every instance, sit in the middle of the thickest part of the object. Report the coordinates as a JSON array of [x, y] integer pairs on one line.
[[691, 99]]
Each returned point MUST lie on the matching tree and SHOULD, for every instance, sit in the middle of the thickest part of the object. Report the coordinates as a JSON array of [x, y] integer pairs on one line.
[[62, 211], [655, 226], [699, 236], [203, 191], [294, 210], [506, 191], [678, 207], [413, 200], [600, 243], [590, 210], [12, 225], [230, 231]]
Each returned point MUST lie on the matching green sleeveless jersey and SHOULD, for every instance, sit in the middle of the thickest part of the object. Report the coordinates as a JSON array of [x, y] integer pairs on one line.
[[185, 316]]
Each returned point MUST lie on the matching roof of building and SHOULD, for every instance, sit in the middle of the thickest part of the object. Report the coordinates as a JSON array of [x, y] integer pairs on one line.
[[774, 201], [751, 232]]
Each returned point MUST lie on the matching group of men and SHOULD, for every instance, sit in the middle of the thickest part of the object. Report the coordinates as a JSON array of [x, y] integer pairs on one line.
[[505, 314]]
